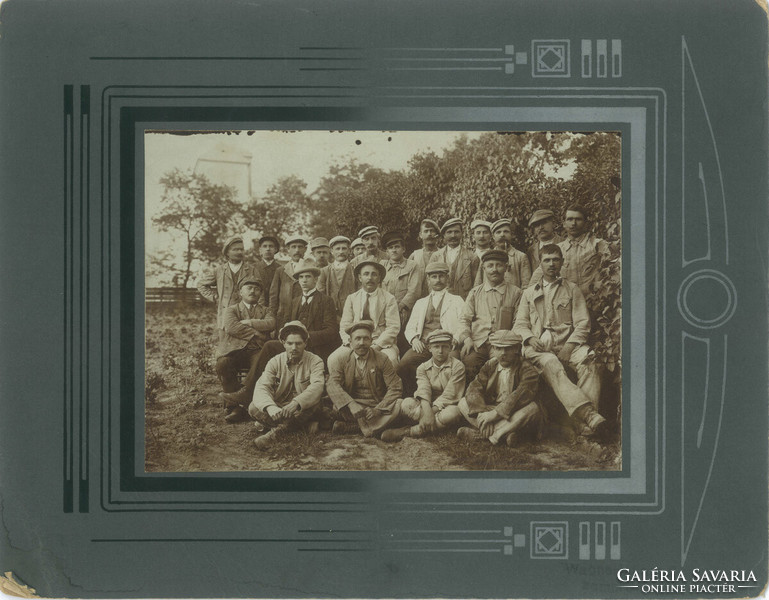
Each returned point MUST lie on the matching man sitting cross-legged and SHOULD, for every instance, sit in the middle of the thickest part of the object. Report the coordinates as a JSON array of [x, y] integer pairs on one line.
[[362, 385], [440, 385], [499, 404], [287, 395]]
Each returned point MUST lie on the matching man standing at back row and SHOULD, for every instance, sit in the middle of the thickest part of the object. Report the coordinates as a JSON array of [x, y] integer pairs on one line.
[[553, 323], [519, 269], [542, 225], [463, 263]]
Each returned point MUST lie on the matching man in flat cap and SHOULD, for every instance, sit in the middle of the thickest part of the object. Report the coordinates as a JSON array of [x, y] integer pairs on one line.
[[267, 264], [362, 384], [518, 269], [247, 327], [222, 284], [284, 287], [370, 237], [554, 323], [440, 310], [287, 395], [313, 309], [499, 404], [490, 306], [338, 279], [403, 278], [428, 235], [321, 251], [357, 247], [372, 303], [542, 225], [440, 385], [482, 239], [463, 263]]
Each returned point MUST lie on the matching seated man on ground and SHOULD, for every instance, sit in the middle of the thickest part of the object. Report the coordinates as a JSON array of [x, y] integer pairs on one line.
[[554, 323], [247, 326], [499, 404], [440, 385], [362, 385], [287, 395], [439, 310]]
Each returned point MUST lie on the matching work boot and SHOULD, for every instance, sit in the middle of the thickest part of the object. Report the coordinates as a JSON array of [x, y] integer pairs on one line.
[[238, 415], [343, 427], [312, 427], [231, 399], [469, 434], [265, 441], [395, 435], [512, 440]]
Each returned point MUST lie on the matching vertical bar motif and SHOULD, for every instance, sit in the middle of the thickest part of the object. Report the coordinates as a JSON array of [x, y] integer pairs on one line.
[[601, 51], [584, 540], [85, 203], [69, 491], [614, 552], [616, 58], [587, 58], [600, 540]]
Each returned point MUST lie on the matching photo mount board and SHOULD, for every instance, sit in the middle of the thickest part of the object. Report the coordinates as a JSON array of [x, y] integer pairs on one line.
[[82, 519]]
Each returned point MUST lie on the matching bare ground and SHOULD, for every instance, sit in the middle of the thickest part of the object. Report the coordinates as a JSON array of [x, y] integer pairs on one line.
[[185, 428]]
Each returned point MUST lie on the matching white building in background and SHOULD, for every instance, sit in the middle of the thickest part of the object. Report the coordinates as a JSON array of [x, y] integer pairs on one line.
[[226, 165]]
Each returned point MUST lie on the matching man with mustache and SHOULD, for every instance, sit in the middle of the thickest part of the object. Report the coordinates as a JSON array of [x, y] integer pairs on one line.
[[554, 323], [287, 395], [428, 235], [542, 225], [284, 287], [519, 269], [338, 279], [463, 263], [370, 237]]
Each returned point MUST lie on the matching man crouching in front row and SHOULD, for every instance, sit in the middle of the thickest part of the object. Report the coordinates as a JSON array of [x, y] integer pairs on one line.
[[499, 404], [362, 385], [287, 395]]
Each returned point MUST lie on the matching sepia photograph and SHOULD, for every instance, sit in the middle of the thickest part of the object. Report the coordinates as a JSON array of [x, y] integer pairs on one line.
[[382, 301]]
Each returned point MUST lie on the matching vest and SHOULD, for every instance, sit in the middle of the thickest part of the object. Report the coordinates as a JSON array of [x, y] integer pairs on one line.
[[432, 317], [360, 388]]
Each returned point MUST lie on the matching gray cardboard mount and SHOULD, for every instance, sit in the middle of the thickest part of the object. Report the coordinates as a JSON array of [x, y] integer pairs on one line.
[[686, 83]]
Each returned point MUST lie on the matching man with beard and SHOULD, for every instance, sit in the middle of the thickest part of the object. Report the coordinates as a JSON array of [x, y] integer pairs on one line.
[[338, 279], [499, 404], [440, 310], [463, 263], [542, 225], [221, 285], [284, 287], [362, 384], [489, 307], [372, 303], [519, 269], [287, 395], [247, 326], [554, 323]]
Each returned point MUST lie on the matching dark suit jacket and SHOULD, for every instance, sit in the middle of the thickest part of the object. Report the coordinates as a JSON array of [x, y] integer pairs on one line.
[[321, 321], [237, 334], [382, 379], [283, 289], [481, 394]]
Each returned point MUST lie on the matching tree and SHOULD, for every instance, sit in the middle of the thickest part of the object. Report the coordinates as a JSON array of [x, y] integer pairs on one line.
[[285, 209], [201, 213]]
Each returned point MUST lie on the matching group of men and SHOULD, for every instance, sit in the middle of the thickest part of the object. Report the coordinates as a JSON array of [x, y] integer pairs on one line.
[[356, 337]]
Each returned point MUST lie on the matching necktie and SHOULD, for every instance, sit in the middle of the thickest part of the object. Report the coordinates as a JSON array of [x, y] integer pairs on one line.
[[366, 314]]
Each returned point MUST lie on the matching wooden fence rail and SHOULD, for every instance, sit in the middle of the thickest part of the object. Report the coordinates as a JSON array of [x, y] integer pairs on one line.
[[172, 295]]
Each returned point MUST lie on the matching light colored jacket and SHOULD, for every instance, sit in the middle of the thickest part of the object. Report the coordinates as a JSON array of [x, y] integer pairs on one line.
[[387, 319], [274, 386], [451, 314], [570, 322], [237, 335], [382, 380], [441, 386], [407, 286], [216, 285], [518, 270], [477, 320]]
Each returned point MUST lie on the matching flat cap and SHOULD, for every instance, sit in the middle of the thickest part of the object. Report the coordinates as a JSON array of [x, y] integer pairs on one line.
[[541, 215], [339, 239], [269, 238], [368, 230], [499, 223], [229, 242], [431, 222], [451, 223], [479, 223], [436, 267], [319, 242], [391, 237], [380, 267], [363, 324], [356, 242], [296, 238], [495, 254], [252, 279], [293, 327], [505, 337], [439, 335], [306, 266]]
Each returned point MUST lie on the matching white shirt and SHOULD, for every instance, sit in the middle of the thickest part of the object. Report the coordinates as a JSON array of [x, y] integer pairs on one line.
[[340, 265], [372, 303], [235, 267], [452, 253], [307, 298], [437, 297]]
